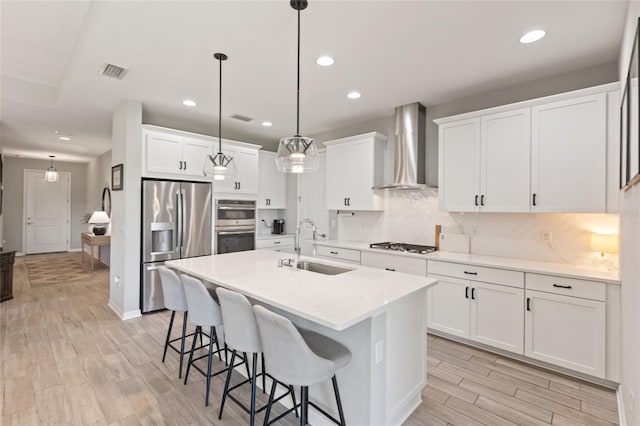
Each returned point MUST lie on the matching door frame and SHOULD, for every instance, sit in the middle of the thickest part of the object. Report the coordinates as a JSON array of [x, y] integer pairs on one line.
[[24, 207]]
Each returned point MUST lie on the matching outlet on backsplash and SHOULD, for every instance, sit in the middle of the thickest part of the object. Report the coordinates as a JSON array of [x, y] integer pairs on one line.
[[546, 237]]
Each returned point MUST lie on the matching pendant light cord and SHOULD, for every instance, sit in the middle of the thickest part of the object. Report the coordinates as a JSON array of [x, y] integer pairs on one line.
[[220, 109], [298, 87]]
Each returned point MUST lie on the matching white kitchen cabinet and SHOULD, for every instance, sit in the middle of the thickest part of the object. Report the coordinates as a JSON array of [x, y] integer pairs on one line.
[[272, 184], [355, 165], [491, 313], [395, 263], [245, 157], [167, 154], [569, 149], [338, 253], [566, 331], [284, 243]]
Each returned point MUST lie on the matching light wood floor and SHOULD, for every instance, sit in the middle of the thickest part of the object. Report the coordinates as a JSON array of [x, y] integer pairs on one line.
[[66, 359]]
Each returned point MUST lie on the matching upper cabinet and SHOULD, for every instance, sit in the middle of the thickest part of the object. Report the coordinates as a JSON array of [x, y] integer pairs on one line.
[[169, 154], [555, 154], [354, 165], [272, 184], [245, 157]]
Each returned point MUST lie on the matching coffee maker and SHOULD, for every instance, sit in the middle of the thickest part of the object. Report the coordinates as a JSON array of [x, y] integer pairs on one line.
[[278, 226]]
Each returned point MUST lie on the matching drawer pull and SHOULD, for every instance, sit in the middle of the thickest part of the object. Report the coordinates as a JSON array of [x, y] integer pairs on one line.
[[528, 303], [473, 294], [276, 242], [466, 292], [390, 269], [562, 286], [333, 252], [470, 273]]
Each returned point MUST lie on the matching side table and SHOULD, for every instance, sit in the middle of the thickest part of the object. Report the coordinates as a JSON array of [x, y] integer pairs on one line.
[[6, 275], [92, 241]]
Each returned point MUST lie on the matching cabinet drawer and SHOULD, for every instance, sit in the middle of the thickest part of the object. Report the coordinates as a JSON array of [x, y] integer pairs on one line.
[[274, 243], [390, 262], [476, 273], [568, 286], [339, 253]]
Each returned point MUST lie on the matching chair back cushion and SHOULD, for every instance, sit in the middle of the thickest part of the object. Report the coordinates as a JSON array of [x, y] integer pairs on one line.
[[240, 327], [172, 290], [203, 310]]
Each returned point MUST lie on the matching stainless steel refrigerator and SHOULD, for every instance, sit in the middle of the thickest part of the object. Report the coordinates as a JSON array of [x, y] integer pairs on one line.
[[176, 224]]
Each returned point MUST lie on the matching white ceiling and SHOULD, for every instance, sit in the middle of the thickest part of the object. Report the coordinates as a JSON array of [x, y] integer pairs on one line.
[[394, 52]]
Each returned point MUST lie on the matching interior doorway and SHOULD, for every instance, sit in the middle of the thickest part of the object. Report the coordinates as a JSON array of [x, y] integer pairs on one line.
[[46, 212]]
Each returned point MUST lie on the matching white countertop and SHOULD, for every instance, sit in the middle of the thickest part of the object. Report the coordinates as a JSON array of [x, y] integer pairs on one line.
[[559, 269], [273, 236], [334, 301]]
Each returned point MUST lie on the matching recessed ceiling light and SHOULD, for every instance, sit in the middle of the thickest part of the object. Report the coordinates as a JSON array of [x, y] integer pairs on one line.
[[189, 103], [532, 36], [353, 95], [267, 123], [325, 61], [64, 138]]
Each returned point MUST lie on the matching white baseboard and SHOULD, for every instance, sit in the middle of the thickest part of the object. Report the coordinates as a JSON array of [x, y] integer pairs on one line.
[[115, 309], [74, 250], [19, 254], [621, 413], [124, 315]]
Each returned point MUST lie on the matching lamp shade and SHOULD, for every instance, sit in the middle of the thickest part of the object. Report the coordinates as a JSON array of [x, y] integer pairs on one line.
[[99, 218], [297, 154], [604, 243]]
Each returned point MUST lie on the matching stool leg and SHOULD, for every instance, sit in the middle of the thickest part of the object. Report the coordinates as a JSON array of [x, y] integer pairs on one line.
[[253, 390], [271, 395], [215, 335], [193, 347], [264, 375], [226, 384], [166, 342], [304, 406], [184, 333], [209, 360], [335, 390], [293, 398], [246, 364]]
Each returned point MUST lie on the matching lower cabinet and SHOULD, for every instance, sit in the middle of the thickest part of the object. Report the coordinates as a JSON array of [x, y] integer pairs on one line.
[[394, 263], [338, 253], [284, 244]]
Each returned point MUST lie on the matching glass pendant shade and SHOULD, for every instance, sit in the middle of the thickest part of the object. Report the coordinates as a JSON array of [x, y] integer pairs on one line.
[[297, 154], [51, 175], [220, 167]]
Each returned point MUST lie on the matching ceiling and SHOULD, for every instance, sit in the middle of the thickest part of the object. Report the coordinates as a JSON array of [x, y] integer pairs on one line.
[[394, 52]]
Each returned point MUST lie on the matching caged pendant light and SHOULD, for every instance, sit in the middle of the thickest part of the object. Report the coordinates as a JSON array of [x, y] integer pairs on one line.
[[220, 166], [51, 175], [297, 154]]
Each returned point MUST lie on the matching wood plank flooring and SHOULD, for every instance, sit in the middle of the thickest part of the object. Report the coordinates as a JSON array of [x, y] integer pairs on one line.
[[66, 359]]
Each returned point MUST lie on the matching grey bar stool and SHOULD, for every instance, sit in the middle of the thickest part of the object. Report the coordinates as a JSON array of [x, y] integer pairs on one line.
[[203, 312], [300, 358], [175, 301], [241, 334]]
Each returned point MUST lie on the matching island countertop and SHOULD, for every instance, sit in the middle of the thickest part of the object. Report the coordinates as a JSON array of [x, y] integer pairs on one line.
[[334, 301]]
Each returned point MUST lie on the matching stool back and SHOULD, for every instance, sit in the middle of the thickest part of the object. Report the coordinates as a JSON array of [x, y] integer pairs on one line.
[[288, 358], [203, 310], [240, 327], [174, 298]]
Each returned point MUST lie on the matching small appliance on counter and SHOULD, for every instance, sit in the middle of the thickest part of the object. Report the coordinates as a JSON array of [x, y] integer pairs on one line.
[[278, 227]]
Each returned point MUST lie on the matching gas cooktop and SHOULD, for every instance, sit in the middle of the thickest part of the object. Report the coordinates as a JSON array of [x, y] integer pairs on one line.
[[403, 247]]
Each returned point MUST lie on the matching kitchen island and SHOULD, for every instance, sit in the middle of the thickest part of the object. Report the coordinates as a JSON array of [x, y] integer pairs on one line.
[[379, 315]]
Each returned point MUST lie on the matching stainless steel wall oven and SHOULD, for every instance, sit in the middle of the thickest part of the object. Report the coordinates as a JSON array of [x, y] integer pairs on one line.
[[235, 225]]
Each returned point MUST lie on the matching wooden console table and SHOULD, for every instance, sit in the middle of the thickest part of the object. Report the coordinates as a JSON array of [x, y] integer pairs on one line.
[[6, 275], [92, 241]]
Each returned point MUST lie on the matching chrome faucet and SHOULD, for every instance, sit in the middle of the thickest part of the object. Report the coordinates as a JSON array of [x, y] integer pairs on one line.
[[315, 236]]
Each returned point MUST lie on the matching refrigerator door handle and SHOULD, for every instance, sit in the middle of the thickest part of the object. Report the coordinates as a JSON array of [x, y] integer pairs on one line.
[[178, 221], [152, 268], [182, 221]]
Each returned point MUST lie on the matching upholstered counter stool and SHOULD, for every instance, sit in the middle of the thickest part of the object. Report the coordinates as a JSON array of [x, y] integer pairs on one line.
[[204, 311], [241, 335], [299, 358], [174, 300]]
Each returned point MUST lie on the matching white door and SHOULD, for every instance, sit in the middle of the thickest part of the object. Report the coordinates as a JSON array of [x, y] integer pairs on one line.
[[460, 165], [566, 331], [194, 155], [247, 171], [272, 184], [497, 316], [163, 153], [338, 181], [448, 306], [361, 158], [46, 211], [506, 159]]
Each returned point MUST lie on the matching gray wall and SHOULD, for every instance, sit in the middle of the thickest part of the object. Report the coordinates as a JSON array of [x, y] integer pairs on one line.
[[14, 195], [587, 77], [98, 176]]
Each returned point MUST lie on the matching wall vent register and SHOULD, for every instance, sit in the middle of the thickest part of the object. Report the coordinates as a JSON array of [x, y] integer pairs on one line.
[[403, 247]]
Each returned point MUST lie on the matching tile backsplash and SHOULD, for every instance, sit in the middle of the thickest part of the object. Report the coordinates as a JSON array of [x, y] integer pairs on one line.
[[411, 216]]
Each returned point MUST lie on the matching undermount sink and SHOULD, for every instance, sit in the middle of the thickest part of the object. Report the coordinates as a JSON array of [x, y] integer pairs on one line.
[[322, 268]]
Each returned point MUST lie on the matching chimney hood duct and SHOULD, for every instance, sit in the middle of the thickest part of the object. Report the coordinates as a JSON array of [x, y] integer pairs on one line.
[[410, 148]]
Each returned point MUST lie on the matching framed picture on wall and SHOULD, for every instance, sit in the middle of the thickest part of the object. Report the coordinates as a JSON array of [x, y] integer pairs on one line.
[[117, 177]]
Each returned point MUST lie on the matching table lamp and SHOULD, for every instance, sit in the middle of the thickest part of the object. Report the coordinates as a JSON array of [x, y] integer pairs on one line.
[[99, 219]]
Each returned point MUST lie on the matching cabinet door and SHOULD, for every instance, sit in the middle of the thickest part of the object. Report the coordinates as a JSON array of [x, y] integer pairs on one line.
[[569, 155], [448, 306], [497, 316], [194, 155], [505, 148], [163, 153], [392, 262], [341, 164], [272, 184], [247, 171], [360, 177], [460, 165], [566, 331]]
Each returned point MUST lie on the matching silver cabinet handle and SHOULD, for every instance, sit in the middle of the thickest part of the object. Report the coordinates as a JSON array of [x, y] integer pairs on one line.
[[234, 232], [333, 252]]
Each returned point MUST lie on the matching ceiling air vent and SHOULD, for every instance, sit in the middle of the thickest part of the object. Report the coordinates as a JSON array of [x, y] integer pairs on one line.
[[241, 118], [113, 71]]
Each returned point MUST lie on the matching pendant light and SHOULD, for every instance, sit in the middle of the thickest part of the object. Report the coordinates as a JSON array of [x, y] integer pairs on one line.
[[220, 166], [51, 175], [297, 154]]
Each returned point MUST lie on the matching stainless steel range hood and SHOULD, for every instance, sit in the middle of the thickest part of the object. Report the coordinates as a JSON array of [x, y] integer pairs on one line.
[[410, 148]]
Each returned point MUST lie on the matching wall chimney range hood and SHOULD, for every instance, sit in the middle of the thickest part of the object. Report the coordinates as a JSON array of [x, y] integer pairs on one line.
[[410, 148]]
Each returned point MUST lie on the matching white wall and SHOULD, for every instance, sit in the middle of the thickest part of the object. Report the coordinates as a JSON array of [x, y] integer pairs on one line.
[[99, 177], [629, 262]]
